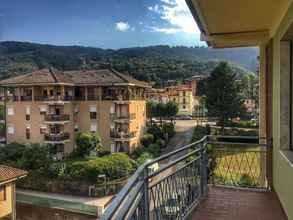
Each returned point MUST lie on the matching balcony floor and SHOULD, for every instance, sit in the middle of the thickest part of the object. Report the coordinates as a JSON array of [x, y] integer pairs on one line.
[[230, 204]]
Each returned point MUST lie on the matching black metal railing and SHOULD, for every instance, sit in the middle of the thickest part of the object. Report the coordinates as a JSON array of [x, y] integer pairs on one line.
[[122, 135], [171, 186], [53, 98], [26, 98], [165, 188], [57, 137], [58, 118]]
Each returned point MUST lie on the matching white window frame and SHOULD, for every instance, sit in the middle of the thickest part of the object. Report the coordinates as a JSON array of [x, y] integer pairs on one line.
[[10, 110], [10, 129]]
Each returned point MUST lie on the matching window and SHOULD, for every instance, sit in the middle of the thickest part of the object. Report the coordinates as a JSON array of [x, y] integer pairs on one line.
[[10, 111], [76, 128], [184, 101], [184, 107], [2, 193], [43, 129], [112, 109], [10, 129], [93, 112], [43, 109], [113, 148], [93, 115], [28, 113], [28, 133], [184, 93], [93, 128]]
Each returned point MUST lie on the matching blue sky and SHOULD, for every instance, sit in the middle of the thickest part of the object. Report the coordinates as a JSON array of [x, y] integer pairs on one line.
[[99, 23]]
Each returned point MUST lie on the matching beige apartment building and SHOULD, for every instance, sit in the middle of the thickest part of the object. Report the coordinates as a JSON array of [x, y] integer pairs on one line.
[[50, 106]]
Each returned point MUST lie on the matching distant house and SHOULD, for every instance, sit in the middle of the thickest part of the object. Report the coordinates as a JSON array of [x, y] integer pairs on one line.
[[8, 177], [157, 95]]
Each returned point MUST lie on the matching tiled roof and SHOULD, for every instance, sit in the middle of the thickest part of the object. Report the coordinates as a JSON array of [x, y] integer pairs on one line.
[[10, 173], [49, 76], [43, 76]]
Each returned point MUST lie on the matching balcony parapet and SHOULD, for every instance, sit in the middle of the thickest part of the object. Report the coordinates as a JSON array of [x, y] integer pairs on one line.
[[52, 118], [117, 136], [57, 138]]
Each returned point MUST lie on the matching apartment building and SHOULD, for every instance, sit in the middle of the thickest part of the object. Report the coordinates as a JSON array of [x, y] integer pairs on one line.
[[157, 95], [182, 95], [50, 106]]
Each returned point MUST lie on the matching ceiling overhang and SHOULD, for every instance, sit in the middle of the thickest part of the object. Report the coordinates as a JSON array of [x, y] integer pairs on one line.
[[241, 23]]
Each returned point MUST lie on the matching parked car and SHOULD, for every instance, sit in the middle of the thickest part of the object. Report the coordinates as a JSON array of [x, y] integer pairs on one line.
[[184, 117]]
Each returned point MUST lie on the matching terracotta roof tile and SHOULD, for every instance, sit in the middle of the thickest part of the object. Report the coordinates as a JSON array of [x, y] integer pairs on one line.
[[10, 173], [49, 76]]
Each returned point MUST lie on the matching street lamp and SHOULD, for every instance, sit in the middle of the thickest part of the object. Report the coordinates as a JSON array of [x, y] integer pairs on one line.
[[103, 176]]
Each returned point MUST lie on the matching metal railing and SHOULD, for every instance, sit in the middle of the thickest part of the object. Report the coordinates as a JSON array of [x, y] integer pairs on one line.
[[169, 192], [171, 186], [57, 137], [53, 98], [58, 118], [122, 135]]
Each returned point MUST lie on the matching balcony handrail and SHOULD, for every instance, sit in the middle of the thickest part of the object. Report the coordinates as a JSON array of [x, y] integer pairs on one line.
[[141, 174], [54, 117], [133, 200]]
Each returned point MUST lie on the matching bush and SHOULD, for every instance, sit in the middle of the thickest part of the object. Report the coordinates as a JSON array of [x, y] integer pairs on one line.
[[169, 129], [114, 166], [144, 157], [161, 143], [199, 132], [35, 157], [11, 152], [246, 180], [156, 131], [86, 142], [147, 139], [154, 149]]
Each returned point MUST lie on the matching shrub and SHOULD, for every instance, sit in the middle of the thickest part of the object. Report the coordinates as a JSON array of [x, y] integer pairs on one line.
[[246, 180], [156, 131], [161, 143], [144, 157], [169, 129], [147, 139], [35, 156], [86, 142], [114, 166], [154, 149], [11, 152], [199, 132]]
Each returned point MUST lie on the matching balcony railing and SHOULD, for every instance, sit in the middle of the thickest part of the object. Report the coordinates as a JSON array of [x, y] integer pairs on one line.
[[57, 118], [93, 98], [130, 116], [173, 185], [53, 98], [122, 135], [57, 137], [26, 98]]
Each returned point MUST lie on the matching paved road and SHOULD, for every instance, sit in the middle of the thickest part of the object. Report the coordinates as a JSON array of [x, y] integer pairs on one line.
[[184, 130]]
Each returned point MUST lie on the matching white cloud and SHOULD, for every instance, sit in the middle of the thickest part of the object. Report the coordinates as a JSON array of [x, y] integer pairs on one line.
[[155, 8], [178, 17], [124, 26]]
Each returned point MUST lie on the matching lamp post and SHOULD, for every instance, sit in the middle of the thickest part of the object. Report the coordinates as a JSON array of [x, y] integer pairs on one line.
[[103, 176]]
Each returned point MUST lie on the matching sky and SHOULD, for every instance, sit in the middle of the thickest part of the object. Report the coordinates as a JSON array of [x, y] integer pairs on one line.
[[99, 23]]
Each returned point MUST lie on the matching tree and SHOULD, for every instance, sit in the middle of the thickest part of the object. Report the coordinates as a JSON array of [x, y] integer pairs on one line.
[[223, 94], [151, 110], [171, 110], [86, 142]]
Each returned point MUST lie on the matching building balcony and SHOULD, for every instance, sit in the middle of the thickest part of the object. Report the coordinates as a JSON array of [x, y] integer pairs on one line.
[[54, 99], [59, 119], [26, 98], [60, 138], [93, 98], [122, 136], [123, 118], [216, 178]]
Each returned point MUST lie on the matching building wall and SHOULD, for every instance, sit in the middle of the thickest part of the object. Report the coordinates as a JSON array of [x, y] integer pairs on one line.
[[79, 112], [282, 158], [6, 206]]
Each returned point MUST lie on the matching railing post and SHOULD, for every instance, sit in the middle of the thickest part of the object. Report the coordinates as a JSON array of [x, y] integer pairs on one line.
[[203, 169], [146, 205]]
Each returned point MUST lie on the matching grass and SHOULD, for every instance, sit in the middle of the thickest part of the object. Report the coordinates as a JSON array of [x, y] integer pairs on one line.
[[240, 166]]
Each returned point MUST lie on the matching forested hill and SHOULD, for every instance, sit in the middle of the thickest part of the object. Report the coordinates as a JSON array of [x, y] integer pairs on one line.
[[154, 63]]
